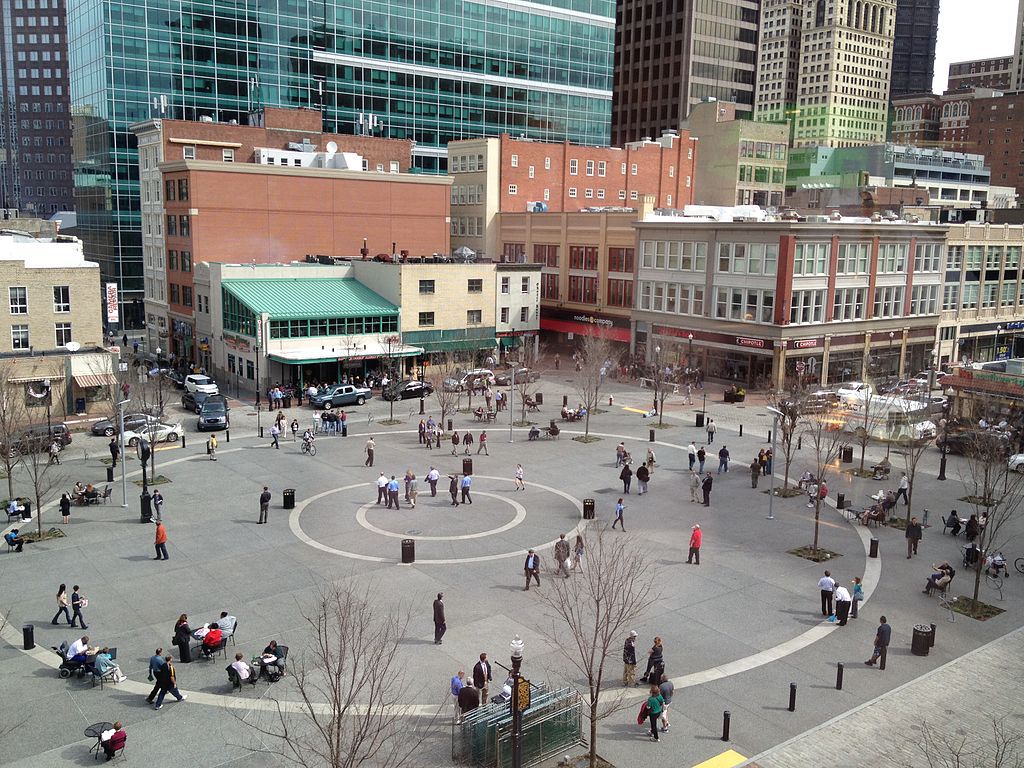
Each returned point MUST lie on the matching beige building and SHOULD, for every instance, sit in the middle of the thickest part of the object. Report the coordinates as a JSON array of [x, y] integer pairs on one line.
[[517, 305], [740, 162], [53, 294]]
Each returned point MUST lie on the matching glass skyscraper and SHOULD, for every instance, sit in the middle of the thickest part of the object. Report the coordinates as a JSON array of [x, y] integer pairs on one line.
[[428, 71]]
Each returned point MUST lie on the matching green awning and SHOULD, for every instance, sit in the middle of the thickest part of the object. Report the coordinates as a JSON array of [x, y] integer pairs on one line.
[[304, 298]]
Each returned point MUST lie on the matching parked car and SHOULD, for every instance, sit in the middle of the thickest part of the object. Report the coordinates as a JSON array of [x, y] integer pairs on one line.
[[462, 380], [37, 439], [193, 401], [814, 402], [176, 378], [341, 394], [214, 414], [1016, 462], [197, 382], [504, 378], [132, 422], [154, 433], [974, 441], [406, 390]]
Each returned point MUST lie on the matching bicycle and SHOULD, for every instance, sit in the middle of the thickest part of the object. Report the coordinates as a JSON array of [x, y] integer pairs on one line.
[[947, 601], [1019, 565], [309, 448], [994, 581]]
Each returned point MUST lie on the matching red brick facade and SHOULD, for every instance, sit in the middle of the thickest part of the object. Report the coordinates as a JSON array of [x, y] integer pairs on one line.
[[996, 131]]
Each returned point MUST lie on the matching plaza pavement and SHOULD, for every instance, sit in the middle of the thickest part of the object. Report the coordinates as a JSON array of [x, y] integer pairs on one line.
[[737, 630]]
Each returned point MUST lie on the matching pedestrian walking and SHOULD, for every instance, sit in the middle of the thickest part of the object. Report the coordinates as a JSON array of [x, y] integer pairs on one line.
[[882, 637], [755, 471], [711, 428], [696, 537], [414, 490], [903, 488], [827, 586], [369, 449], [158, 505], [558, 361], [168, 681], [694, 487], [432, 477], [407, 481], [467, 442], [843, 603], [482, 444], [343, 419], [629, 660], [620, 519], [520, 485], [858, 595], [667, 689], [723, 460], [455, 441], [465, 486], [769, 459], [532, 569], [160, 542], [422, 431], [62, 605], [482, 677], [295, 430], [65, 508], [155, 662], [382, 488], [578, 550], [691, 454], [654, 706], [913, 534], [705, 488], [264, 505], [440, 626], [275, 433], [393, 493], [211, 447], [453, 489], [626, 476], [115, 451], [438, 433], [702, 456], [78, 602], [643, 475], [562, 556]]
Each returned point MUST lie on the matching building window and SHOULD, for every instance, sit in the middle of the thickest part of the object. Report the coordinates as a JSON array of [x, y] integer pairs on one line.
[[426, 286], [848, 304], [186, 295], [892, 258], [812, 259], [515, 161], [174, 294], [547, 163], [524, 314], [426, 318], [249, 373], [19, 337], [547, 195], [583, 257], [588, 193], [393, 166], [572, 191], [574, 167], [853, 258], [231, 363], [634, 195], [474, 316], [620, 260], [531, 172], [512, 189], [475, 285], [546, 255], [583, 289], [183, 189], [169, 190], [504, 315], [620, 293], [590, 167], [186, 261], [184, 226], [807, 307], [602, 168], [549, 287], [188, 153], [526, 285], [505, 285], [61, 298], [632, 169], [19, 300], [62, 334], [227, 155], [172, 226], [888, 301], [172, 261]]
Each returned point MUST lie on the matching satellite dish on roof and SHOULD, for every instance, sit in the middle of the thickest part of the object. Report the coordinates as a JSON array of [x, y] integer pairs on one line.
[[72, 346], [332, 147]]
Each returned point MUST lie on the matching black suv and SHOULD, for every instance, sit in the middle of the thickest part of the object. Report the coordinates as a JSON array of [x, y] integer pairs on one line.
[[38, 438], [214, 413], [193, 401]]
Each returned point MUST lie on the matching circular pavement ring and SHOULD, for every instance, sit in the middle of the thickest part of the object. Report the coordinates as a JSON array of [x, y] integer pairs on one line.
[[301, 535], [520, 516]]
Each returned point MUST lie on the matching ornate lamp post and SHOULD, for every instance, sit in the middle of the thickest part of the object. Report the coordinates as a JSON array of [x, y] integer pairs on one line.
[[892, 335], [47, 393], [520, 701]]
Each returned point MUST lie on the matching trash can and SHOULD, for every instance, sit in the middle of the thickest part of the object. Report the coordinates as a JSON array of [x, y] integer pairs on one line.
[[26, 512], [289, 498], [651, 436], [700, 418], [287, 401], [28, 636], [467, 466], [79, 405], [145, 508], [408, 551], [565, 401], [539, 398], [921, 642], [840, 501], [110, 474], [589, 505], [847, 454], [873, 548]]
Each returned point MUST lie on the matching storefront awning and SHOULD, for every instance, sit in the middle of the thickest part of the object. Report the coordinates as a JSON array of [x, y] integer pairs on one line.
[[372, 351], [460, 345], [95, 380]]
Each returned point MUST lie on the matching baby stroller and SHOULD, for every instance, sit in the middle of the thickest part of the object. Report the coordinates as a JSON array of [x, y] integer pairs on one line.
[[68, 666]]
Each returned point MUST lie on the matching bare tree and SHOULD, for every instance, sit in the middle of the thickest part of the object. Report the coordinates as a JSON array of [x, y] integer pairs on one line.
[[826, 441], [661, 385], [789, 407], [12, 416], [440, 369], [43, 471], [593, 355], [912, 450], [525, 389], [350, 688], [592, 614], [943, 749], [864, 423]]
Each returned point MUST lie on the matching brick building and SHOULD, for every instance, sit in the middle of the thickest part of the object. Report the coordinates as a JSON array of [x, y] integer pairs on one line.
[[995, 130], [498, 175], [915, 119], [981, 73], [266, 193]]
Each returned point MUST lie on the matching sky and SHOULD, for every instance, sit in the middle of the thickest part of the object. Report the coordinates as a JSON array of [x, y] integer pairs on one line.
[[973, 30]]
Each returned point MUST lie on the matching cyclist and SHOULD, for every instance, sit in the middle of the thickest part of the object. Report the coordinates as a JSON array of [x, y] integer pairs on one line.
[[307, 439]]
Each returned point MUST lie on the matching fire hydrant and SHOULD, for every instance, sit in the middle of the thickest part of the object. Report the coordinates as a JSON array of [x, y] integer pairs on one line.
[[611, 400]]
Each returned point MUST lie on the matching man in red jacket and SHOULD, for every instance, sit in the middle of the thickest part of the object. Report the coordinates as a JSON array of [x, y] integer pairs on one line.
[[695, 540]]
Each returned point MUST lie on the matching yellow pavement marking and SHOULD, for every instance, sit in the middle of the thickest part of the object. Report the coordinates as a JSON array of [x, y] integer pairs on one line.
[[633, 410], [728, 759]]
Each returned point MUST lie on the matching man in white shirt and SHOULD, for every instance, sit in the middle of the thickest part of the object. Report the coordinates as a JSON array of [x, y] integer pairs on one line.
[[244, 670], [827, 585], [843, 603], [691, 454], [226, 623], [432, 477], [382, 488], [79, 648]]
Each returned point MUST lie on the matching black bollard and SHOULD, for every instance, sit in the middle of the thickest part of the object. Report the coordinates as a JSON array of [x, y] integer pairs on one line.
[[873, 547], [942, 466], [931, 640], [741, 430], [799, 442], [881, 658], [769, 435], [449, 425], [182, 439], [839, 676], [421, 407], [792, 697], [227, 436], [652, 436], [565, 401], [726, 717], [261, 432]]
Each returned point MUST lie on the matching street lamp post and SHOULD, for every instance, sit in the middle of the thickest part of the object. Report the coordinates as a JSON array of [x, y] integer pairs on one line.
[[49, 398], [892, 335], [257, 348], [124, 473], [689, 351], [995, 352], [511, 390], [775, 412], [520, 695]]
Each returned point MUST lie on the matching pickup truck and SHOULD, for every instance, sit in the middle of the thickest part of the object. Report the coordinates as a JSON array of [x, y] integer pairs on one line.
[[340, 394]]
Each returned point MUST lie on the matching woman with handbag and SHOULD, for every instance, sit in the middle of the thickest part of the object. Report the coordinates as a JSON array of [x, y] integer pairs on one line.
[[183, 639]]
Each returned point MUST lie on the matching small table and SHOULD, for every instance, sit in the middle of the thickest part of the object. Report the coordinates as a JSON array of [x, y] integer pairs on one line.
[[94, 731]]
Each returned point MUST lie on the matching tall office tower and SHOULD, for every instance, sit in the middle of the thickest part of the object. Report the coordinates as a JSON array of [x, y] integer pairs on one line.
[[1018, 51], [401, 69], [845, 60], [35, 128], [778, 59], [913, 53], [670, 56]]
